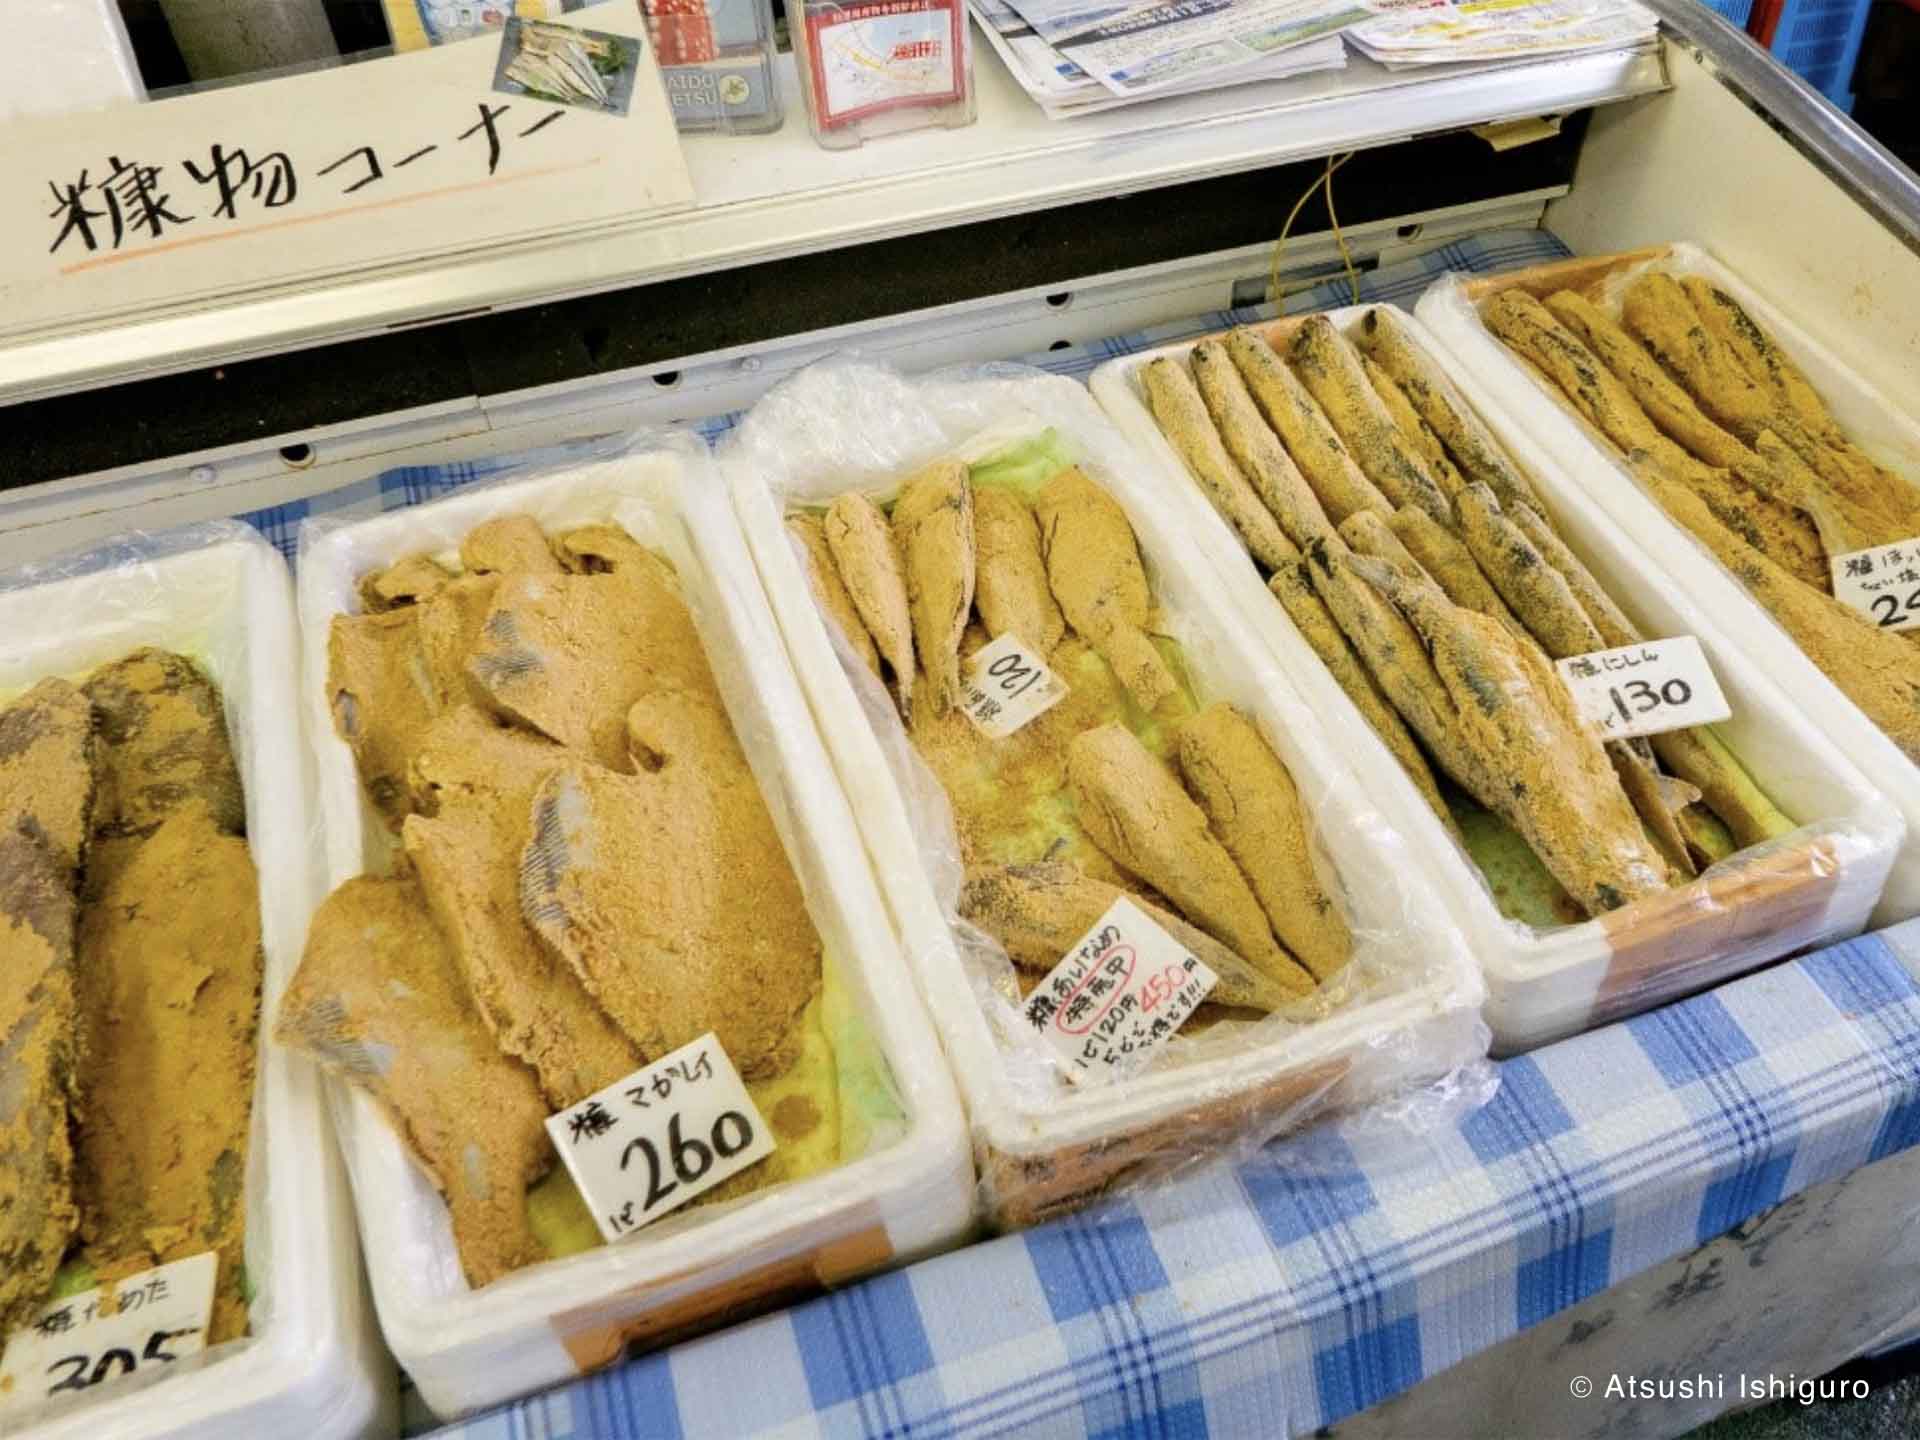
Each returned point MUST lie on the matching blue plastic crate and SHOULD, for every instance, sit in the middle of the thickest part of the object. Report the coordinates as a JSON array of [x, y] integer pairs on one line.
[[1736, 11], [1819, 40]]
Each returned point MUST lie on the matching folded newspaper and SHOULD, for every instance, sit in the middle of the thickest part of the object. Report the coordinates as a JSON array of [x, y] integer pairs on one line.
[[1075, 57], [1484, 30]]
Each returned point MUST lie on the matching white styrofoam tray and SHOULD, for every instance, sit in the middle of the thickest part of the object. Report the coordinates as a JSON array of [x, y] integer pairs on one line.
[[1038, 1158], [1544, 984], [550, 1322], [1890, 433], [220, 595]]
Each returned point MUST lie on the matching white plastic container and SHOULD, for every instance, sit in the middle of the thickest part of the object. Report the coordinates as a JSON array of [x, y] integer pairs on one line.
[[1869, 417], [1044, 1148], [1812, 887], [561, 1319], [312, 1364]]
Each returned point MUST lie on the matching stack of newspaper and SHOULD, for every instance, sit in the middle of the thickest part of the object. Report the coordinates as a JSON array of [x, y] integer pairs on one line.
[[1078, 56], [1455, 31]]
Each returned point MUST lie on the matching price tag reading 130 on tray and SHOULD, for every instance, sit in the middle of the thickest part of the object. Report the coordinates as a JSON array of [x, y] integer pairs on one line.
[[1882, 583], [1645, 689], [151, 1321], [1117, 995], [1006, 684], [653, 1141]]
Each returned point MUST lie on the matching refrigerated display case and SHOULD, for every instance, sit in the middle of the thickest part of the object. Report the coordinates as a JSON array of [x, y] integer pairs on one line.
[[1015, 236]]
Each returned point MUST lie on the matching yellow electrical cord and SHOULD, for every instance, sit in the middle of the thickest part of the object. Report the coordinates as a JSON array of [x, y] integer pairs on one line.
[[1275, 293]]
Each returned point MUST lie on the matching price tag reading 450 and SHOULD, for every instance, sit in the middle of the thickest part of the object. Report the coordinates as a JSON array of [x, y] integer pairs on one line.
[[653, 1141], [1005, 685], [1117, 996], [1645, 689]]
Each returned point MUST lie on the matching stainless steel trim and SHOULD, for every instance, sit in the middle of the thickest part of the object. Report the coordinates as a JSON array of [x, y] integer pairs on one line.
[[1851, 157]]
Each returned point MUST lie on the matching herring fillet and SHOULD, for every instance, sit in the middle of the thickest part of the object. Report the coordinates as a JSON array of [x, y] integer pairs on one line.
[[1253, 806], [674, 950], [829, 590], [933, 528], [38, 1217], [46, 798], [476, 781], [1094, 570], [1131, 806], [863, 547], [378, 1000], [1010, 575]]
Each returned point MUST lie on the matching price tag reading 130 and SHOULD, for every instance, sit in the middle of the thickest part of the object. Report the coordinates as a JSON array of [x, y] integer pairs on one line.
[[1645, 689], [653, 1141], [1006, 684]]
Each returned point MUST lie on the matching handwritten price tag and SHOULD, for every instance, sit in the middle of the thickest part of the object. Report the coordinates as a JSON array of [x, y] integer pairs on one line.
[[653, 1141], [1006, 684], [1645, 689], [1117, 995], [1882, 583], [153, 1319]]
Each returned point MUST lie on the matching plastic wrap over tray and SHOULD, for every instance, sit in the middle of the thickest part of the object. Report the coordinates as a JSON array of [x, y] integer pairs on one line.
[[1809, 887], [909, 1193], [1888, 433], [312, 1361], [1404, 1012]]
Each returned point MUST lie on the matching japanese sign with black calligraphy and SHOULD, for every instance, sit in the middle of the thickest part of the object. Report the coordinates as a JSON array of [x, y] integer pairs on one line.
[[653, 1141], [1645, 689], [1117, 996], [1882, 583], [554, 129], [144, 1322]]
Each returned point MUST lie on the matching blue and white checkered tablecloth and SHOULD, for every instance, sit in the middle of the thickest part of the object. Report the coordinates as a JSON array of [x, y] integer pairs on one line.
[[1401, 283], [1332, 1271]]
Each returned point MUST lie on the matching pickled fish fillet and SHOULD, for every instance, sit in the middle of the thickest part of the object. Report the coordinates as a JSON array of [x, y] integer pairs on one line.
[[669, 894], [1039, 911], [476, 780], [379, 1000], [381, 697], [1010, 574], [869, 561], [37, 1213], [1181, 412], [405, 582], [1514, 717], [569, 654], [508, 545], [1133, 808], [168, 978], [1094, 569], [829, 590], [1253, 806], [933, 527], [47, 769], [606, 550], [1331, 370], [163, 737]]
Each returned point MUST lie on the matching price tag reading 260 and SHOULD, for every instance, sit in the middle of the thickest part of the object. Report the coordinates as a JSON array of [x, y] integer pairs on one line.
[[667, 1133], [1005, 685], [1645, 689]]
